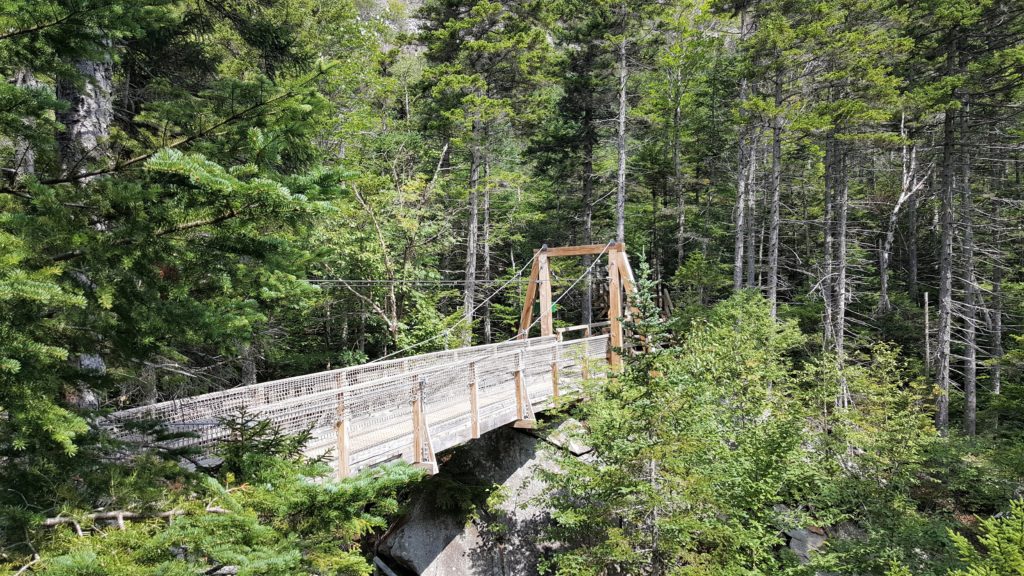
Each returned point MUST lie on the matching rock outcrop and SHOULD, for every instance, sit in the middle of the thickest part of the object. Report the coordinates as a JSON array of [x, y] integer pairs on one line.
[[503, 539]]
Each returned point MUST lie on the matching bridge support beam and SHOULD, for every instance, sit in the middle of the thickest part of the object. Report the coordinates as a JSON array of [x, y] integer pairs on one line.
[[525, 417], [422, 446], [614, 311]]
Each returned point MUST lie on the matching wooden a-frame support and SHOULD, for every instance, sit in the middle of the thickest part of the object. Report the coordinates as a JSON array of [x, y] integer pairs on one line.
[[620, 280]]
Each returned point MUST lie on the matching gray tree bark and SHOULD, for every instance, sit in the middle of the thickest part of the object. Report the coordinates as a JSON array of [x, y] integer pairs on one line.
[[588, 220], [150, 383], [620, 143], [487, 248], [24, 154], [842, 199], [774, 219], [912, 246], [972, 299], [472, 234], [743, 166], [248, 364], [83, 141], [828, 276], [677, 172], [944, 335], [750, 220], [909, 185]]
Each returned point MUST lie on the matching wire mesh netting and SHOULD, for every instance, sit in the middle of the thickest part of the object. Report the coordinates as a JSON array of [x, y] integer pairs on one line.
[[376, 401]]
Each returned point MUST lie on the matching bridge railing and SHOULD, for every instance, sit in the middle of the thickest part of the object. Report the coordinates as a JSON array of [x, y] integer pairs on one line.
[[375, 403], [207, 408]]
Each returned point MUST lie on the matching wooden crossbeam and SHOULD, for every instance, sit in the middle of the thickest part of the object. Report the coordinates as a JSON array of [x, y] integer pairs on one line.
[[585, 250]]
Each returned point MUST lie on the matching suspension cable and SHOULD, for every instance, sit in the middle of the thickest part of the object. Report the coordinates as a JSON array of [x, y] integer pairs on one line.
[[565, 293], [462, 319]]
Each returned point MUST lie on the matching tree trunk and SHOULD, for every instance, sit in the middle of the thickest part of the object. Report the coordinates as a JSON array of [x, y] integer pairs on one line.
[[774, 220], [150, 384], [912, 288], [828, 274], [87, 118], [946, 259], [842, 199], [472, 233], [909, 184], [743, 165], [248, 361], [677, 173], [620, 143], [24, 155], [739, 212], [487, 248], [970, 285], [751, 207], [997, 329], [588, 220]]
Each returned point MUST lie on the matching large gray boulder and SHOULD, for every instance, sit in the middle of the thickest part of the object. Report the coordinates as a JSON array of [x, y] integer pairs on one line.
[[503, 539]]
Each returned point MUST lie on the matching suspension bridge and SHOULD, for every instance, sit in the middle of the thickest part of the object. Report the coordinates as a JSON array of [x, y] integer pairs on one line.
[[413, 407]]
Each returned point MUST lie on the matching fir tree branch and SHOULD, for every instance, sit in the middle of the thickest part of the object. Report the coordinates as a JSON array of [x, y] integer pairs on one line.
[[44, 25], [232, 213], [185, 140], [200, 223], [121, 515]]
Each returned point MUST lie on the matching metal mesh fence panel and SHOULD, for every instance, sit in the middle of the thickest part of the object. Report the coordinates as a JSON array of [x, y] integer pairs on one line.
[[376, 400]]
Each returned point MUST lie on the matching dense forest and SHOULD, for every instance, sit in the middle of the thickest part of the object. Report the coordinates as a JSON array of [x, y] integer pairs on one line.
[[823, 200]]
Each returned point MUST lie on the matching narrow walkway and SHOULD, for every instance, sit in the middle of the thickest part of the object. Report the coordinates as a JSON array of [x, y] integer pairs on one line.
[[408, 408]]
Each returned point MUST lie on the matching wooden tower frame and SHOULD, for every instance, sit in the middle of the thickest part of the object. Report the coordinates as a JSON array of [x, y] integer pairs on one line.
[[621, 282]]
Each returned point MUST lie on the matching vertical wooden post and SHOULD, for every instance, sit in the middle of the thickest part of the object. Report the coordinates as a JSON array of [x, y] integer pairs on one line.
[[554, 366], [524, 407], [417, 421], [341, 430], [341, 427], [421, 432], [474, 406], [585, 367], [519, 386], [614, 311], [544, 284]]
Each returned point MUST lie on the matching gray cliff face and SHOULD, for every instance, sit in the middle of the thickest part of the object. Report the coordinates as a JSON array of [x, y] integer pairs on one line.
[[506, 540]]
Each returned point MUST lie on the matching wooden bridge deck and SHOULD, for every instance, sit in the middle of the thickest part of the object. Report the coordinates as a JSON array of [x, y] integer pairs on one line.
[[409, 408]]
